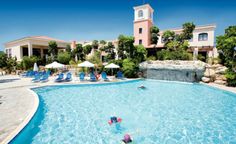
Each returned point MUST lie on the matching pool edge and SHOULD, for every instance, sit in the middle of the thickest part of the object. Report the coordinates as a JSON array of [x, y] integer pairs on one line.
[[13, 134], [31, 114]]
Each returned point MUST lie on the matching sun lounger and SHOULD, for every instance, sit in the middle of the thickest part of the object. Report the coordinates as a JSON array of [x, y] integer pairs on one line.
[[44, 78], [92, 77], [120, 75], [68, 77], [104, 76], [81, 76], [36, 78], [60, 78]]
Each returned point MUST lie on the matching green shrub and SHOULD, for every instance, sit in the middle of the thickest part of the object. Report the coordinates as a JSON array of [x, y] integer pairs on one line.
[[19, 66], [117, 62], [63, 57], [201, 57], [151, 58], [231, 77], [11, 64], [130, 69], [28, 62], [174, 55], [72, 62], [49, 59], [3, 59]]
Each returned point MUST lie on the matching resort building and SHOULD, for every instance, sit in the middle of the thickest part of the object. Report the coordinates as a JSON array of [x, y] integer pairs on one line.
[[202, 42], [33, 45]]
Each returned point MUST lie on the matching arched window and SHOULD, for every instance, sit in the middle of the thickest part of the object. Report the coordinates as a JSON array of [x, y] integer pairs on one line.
[[140, 13], [203, 37]]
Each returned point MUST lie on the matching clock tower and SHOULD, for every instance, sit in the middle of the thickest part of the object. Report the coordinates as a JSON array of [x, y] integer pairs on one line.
[[143, 21]]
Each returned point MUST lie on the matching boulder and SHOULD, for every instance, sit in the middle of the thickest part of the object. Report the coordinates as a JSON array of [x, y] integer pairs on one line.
[[221, 70], [221, 82], [209, 73], [220, 77], [217, 65], [206, 79]]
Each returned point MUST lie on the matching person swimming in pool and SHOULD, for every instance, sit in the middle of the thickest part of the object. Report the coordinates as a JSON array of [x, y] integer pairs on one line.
[[142, 87], [127, 139], [114, 119]]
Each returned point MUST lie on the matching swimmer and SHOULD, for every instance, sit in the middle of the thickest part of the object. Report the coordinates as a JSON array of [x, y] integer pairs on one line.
[[127, 139], [142, 87], [114, 119]]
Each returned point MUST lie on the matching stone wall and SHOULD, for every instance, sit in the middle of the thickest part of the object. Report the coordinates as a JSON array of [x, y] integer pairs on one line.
[[186, 71], [215, 73]]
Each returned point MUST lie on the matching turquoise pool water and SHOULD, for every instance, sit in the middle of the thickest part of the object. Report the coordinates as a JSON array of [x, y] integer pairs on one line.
[[165, 112]]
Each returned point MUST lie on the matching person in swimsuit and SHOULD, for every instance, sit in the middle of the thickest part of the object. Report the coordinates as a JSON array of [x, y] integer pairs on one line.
[[127, 139]]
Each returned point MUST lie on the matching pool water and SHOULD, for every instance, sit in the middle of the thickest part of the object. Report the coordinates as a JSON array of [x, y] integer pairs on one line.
[[165, 112]]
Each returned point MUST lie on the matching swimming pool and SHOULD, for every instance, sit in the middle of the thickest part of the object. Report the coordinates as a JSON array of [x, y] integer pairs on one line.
[[165, 112]]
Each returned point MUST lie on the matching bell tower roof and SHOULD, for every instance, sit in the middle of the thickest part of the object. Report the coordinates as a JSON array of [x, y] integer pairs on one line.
[[143, 12], [144, 7]]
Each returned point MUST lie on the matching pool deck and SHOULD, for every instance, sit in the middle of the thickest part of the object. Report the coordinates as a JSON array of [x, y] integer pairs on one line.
[[18, 103]]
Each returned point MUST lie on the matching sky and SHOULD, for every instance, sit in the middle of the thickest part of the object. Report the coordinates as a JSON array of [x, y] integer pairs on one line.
[[104, 19]]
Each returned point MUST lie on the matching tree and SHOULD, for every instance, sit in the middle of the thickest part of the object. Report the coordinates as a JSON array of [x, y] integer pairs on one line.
[[129, 68], [177, 44], [154, 35], [63, 57], [95, 44], [78, 53], [140, 53], [11, 63], [3, 59], [109, 49], [188, 29], [103, 43], [95, 58], [125, 46], [168, 36], [68, 48], [87, 49], [226, 44], [52, 49]]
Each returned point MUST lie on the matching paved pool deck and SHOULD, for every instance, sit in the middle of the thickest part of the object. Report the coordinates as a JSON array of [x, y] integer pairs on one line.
[[18, 103]]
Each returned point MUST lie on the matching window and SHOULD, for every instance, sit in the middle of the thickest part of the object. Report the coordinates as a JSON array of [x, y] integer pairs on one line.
[[140, 13], [162, 40], [36, 52], [140, 30], [8, 52], [25, 51], [203, 37], [140, 42]]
